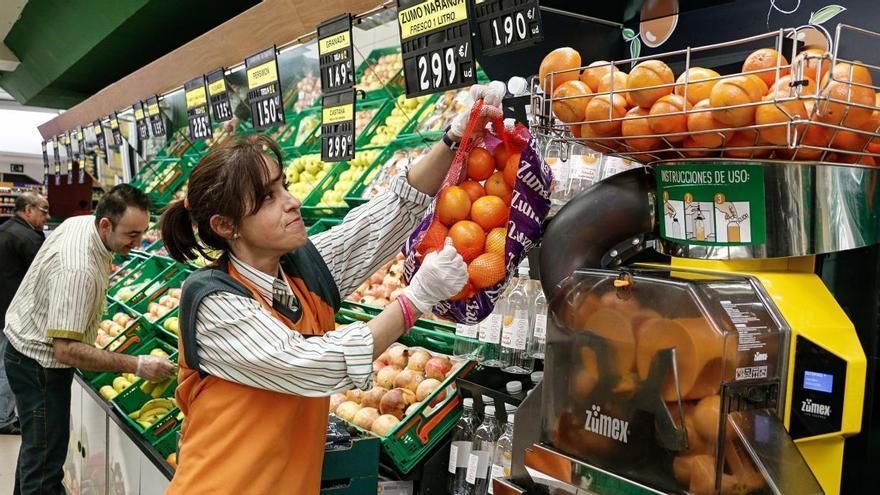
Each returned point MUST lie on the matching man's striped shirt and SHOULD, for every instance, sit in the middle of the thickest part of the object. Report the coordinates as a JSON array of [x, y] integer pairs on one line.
[[238, 340]]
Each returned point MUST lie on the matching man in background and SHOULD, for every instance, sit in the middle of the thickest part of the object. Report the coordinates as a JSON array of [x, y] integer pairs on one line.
[[20, 239]]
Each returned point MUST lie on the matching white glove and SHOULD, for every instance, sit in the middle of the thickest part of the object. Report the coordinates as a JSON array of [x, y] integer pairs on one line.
[[442, 275], [491, 96], [155, 368]]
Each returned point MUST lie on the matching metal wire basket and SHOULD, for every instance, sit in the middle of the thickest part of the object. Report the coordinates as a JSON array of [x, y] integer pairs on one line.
[[814, 120]]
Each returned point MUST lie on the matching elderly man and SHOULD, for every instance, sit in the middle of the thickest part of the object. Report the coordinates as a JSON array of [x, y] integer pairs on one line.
[[20, 239]]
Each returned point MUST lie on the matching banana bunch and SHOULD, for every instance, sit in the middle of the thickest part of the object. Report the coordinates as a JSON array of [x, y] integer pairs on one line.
[[150, 412], [156, 389]]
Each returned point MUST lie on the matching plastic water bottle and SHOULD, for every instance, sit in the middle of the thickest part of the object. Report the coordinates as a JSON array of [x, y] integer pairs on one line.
[[517, 326], [466, 345], [490, 331], [502, 456], [539, 336], [483, 447], [460, 449]]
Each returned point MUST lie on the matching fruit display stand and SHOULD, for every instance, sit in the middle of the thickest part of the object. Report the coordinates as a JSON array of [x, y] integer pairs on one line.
[[162, 177], [380, 75], [140, 275], [353, 470], [299, 129], [323, 225], [377, 169]]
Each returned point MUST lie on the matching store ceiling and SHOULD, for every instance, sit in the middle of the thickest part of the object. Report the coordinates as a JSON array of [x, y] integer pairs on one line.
[[68, 51]]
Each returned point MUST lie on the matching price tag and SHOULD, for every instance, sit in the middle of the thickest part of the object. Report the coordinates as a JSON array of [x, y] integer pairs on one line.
[[140, 121], [264, 90], [100, 137], [45, 165], [506, 25], [219, 95], [435, 40], [337, 126], [155, 116], [77, 145], [56, 152], [68, 157], [335, 56], [197, 108], [114, 129]]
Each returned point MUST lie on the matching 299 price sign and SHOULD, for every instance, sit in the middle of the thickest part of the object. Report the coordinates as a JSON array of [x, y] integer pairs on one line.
[[197, 108], [335, 56], [264, 89], [435, 40], [337, 126], [219, 95], [506, 25]]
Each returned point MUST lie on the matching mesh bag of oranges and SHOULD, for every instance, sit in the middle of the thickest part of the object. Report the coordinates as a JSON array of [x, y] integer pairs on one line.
[[491, 204]]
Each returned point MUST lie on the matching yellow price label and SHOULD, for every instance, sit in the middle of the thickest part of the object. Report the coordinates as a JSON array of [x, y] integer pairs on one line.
[[262, 74], [339, 113], [430, 16], [217, 87], [139, 114], [98, 129], [333, 43], [196, 97], [114, 124], [153, 109]]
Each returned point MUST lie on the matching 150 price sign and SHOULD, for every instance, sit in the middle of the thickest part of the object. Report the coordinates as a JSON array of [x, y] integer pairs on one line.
[[337, 126], [264, 89], [155, 116], [435, 40], [140, 121], [219, 95], [197, 108], [506, 25], [335, 56]]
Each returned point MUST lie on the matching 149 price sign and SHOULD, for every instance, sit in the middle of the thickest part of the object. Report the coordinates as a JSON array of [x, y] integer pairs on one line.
[[264, 90], [335, 53], [337, 126], [197, 109], [219, 95], [506, 25]]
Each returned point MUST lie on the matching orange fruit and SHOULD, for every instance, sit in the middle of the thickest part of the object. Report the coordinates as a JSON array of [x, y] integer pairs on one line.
[[501, 155], [766, 60], [511, 169], [696, 90], [496, 240], [745, 139], [594, 73], [490, 212], [602, 146], [730, 91], [839, 112], [813, 135], [466, 292], [480, 164], [781, 113], [619, 78], [486, 270], [468, 238], [434, 238], [473, 189], [809, 58], [848, 140], [847, 72], [689, 142], [783, 89], [496, 186], [570, 100], [643, 79], [635, 124], [564, 62], [575, 130], [700, 119], [667, 116], [453, 205], [760, 87], [601, 110]]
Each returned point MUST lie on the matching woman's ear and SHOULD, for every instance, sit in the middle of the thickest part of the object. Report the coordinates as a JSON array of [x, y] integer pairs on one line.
[[222, 226]]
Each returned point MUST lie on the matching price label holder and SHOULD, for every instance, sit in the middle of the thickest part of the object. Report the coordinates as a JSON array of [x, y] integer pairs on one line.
[[219, 95], [264, 89], [77, 144], [45, 166], [506, 25], [68, 157], [435, 40], [155, 116], [100, 138], [337, 126], [56, 152], [114, 129], [140, 120], [197, 115], [335, 56]]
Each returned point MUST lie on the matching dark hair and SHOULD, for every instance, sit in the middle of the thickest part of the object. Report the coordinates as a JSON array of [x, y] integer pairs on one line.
[[115, 202], [25, 200], [231, 181]]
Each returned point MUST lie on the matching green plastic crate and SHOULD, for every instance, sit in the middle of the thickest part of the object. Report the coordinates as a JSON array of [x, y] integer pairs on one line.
[[134, 260], [298, 131], [161, 178], [353, 198], [133, 398], [352, 470], [167, 443], [139, 277], [134, 346], [173, 271], [310, 210], [393, 87], [167, 281], [138, 327], [323, 225]]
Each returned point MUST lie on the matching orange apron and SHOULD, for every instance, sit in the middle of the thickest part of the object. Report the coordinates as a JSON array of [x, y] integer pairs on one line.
[[243, 440]]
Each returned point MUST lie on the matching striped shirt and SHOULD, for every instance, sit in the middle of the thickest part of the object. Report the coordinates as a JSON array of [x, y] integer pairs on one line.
[[240, 341], [62, 294]]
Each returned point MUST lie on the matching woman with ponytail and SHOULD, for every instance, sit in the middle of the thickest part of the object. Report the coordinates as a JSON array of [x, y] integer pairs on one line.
[[259, 356]]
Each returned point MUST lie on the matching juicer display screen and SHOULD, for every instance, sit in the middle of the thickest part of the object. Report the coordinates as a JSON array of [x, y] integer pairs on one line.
[[819, 382]]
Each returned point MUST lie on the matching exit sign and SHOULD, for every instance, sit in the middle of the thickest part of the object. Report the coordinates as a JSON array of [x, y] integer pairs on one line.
[[16, 168]]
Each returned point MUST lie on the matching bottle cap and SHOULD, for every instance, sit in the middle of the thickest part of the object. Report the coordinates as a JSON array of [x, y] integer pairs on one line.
[[510, 418], [537, 376], [468, 403], [513, 387], [488, 400], [490, 411], [517, 86], [510, 408]]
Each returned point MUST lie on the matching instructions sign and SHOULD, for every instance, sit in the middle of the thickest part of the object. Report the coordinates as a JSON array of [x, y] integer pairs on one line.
[[721, 204]]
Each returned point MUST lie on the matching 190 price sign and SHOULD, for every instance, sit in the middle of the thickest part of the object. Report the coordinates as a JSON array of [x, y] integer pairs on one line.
[[435, 40], [337, 126], [335, 56], [506, 25], [197, 108], [219, 95], [264, 89]]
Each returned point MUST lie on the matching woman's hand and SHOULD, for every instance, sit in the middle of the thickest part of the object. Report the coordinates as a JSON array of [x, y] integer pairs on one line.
[[442, 275], [491, 94]]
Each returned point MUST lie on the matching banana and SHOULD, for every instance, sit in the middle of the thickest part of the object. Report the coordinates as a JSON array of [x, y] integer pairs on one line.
[[144, 424], [160, 388], [153, 414], [159, 352], [147, 387], [135, 415], [120, 384], [155, 403]]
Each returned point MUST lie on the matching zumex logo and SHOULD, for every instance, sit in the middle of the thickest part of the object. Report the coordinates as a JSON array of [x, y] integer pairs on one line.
[[812, 408], [605, 425], [760, 356]]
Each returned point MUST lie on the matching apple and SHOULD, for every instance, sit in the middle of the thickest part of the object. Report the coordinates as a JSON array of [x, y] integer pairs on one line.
[[437, 367]]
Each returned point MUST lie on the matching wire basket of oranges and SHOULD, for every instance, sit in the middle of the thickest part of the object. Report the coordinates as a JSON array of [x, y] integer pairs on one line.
[[492, 205], [820, 107]]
